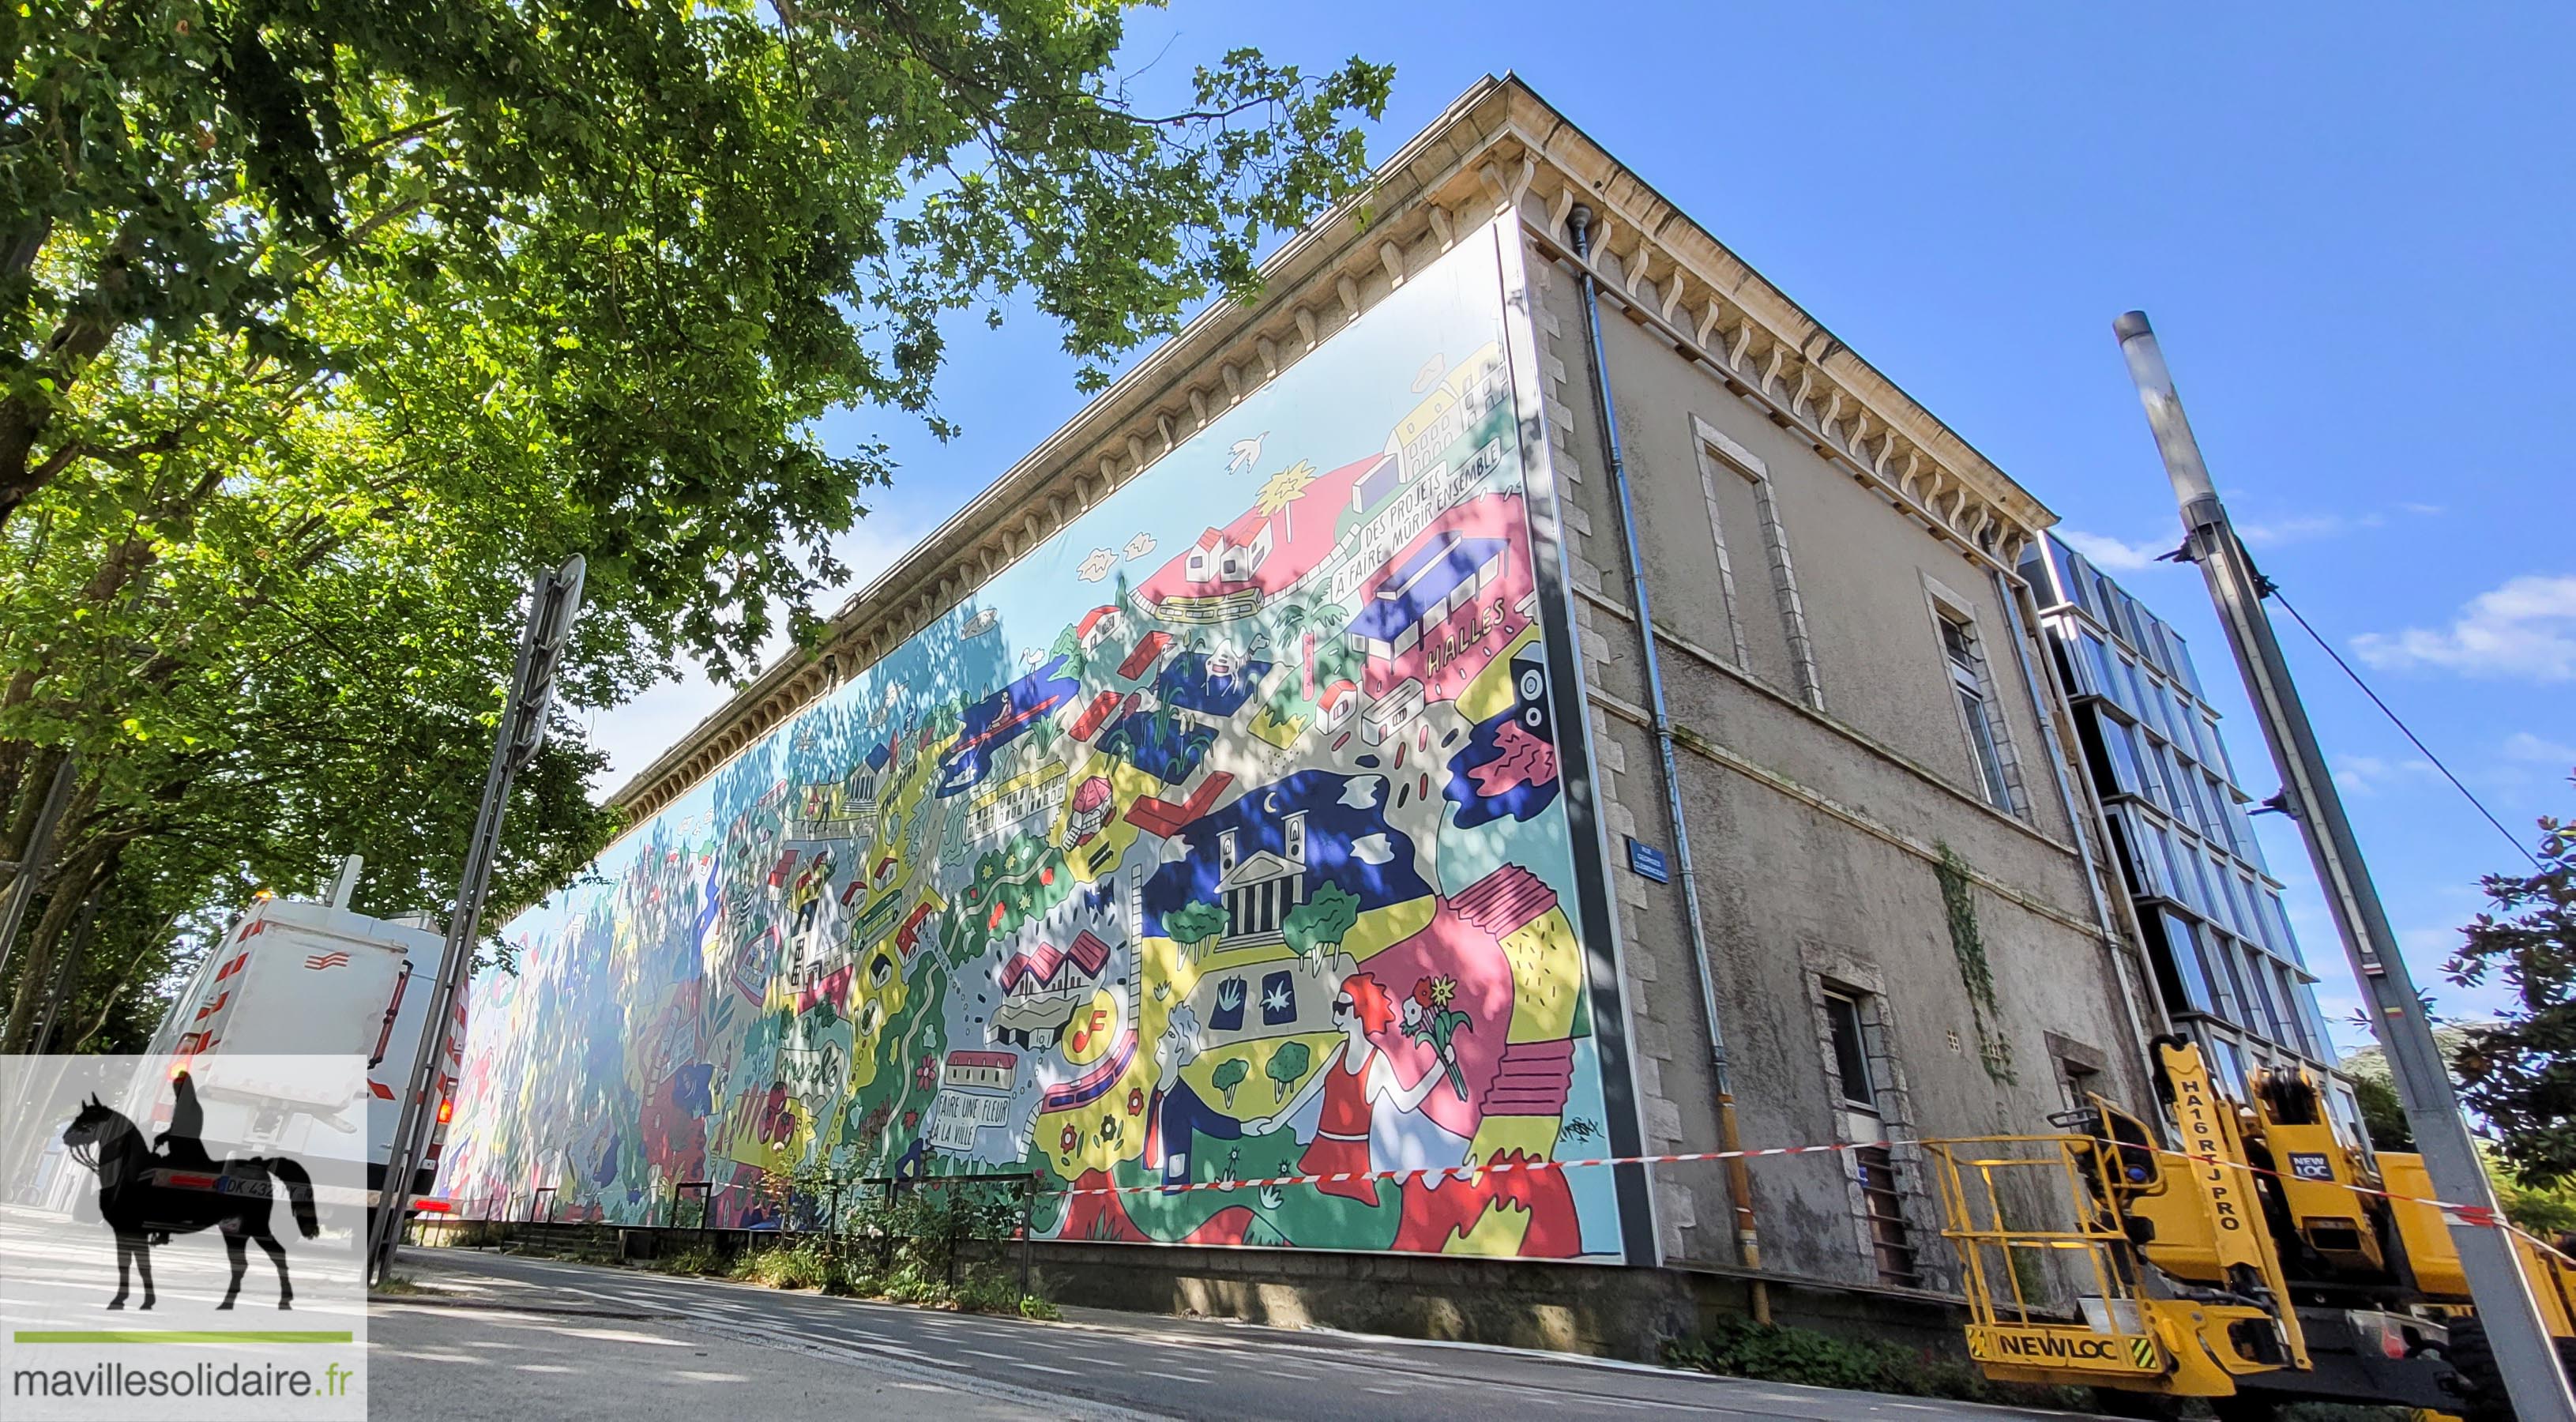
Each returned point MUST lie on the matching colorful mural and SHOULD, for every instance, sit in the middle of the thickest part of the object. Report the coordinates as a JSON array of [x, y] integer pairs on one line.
[[1219, 840]]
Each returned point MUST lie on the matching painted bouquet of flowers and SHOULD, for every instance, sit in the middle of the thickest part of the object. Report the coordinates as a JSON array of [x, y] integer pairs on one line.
[[1430, 1017]]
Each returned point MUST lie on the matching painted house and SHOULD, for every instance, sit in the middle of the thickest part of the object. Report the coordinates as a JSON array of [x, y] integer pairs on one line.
[[1236, 570], [1258, 889], [980, 1071], [1099, 625]]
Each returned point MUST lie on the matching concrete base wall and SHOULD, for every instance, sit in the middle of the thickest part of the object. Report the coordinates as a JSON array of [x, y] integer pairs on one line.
[[1603, 1311]]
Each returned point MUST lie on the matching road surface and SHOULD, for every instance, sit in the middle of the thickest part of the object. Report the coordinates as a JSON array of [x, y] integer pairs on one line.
[[515, 1338]]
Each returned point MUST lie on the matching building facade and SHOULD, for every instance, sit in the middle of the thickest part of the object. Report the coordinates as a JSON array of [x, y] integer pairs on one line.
[[2228, 969], [1498, 700]]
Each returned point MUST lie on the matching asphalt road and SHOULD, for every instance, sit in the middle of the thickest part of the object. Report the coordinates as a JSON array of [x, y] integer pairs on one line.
[[518, 1338]]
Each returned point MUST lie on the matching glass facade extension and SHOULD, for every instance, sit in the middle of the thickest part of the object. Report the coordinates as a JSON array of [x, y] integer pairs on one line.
[[2230, 972]]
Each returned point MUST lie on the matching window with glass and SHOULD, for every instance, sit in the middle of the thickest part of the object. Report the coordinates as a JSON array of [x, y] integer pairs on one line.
[[1851, 1056], [2258, 980], [2120, 745], [2222, 826], [2097, 664], [1968, 685], [2183, 945], [2218, 748], [2287, 986]]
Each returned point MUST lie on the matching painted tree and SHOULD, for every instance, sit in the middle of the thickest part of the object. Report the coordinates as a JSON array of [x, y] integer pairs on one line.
[[1315, 928], [1197, 924], [1228, 1076], [1286, 1065], [2520, 1074]]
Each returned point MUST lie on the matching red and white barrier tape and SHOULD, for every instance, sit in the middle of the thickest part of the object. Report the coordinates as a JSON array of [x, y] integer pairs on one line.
[[1454, 1172], [2482, 1216]]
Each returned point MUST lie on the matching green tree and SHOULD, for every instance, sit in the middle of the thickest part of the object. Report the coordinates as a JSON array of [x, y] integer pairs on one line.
[[2520, 1073], [326, 326], [1286, 1065], [1315, 928], [1196, 923], [1228, 1076]]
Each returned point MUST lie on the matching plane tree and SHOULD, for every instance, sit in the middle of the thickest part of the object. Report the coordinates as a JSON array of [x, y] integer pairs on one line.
[[322, 328]]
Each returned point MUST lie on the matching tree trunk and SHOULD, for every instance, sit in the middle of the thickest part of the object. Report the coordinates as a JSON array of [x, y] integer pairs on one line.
[[71, 888]]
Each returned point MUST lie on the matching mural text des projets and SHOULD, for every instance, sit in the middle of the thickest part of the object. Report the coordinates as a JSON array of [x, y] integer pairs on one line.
[[1220, 839]]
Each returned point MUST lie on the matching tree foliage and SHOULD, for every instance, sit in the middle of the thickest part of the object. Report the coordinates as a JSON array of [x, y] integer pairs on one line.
[[323, 326], [2520, 1072]]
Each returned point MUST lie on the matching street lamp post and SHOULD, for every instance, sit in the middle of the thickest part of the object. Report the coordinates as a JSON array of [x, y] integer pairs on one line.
[[2523, 1350]]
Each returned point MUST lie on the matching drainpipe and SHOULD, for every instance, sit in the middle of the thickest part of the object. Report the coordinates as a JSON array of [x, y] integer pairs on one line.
[[2045, 705], [1739, 1180]]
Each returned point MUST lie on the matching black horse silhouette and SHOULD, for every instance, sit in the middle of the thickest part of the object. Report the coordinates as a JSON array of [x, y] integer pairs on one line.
[[143, 1204]]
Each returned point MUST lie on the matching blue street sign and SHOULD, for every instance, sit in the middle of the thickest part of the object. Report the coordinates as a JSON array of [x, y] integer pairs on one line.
[[1648, 862]]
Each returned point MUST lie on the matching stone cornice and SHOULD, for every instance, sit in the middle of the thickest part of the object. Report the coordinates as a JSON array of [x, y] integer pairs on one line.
[[1499, 149]]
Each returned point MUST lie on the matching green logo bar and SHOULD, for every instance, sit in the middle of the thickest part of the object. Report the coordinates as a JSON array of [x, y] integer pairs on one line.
[[184, 1335]]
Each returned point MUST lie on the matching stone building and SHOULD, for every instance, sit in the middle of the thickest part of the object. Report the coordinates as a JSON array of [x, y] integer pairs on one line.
[[1885, 876]]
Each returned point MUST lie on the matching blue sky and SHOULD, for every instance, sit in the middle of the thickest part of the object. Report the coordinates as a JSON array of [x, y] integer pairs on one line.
[[2350, 224]]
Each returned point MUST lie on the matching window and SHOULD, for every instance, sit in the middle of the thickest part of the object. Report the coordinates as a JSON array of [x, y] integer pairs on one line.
[[2262, 1015], [1851, 1057], [2230, 1068], [2218, 748], [2221, 827], [2291, 1017], [2183, 946], [1883, 1206], [1976, 718], [2121, 744], [2097, 665], [1878, 1197], [1755, 576], [2079, 1081]]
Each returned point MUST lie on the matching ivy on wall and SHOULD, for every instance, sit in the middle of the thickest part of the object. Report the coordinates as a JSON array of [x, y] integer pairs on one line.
[[1959, 905]]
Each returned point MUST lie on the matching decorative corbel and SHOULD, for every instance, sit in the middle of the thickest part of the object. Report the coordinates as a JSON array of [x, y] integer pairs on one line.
[[1391, 257], [1233, 379], [1198, 407], [1305, 326], [1350, 294], [1135, 454], [1269, 352], [1439, 223], [1706, 324]]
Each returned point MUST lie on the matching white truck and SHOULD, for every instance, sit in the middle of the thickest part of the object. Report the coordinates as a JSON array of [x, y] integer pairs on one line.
[[296, 979]]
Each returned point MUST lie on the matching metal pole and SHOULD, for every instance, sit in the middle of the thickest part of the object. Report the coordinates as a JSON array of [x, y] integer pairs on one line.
[[2523, 1351], [40, 845], [553, 601]]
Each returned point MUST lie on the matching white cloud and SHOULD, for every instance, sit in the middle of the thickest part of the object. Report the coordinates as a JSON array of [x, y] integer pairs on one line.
[[2526, 628], [2111, 553], [2528, 749], [2370, 774], [2305, 528]]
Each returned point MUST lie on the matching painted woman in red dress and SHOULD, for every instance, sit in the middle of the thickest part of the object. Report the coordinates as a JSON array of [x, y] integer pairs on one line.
[[1352, 1080]]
